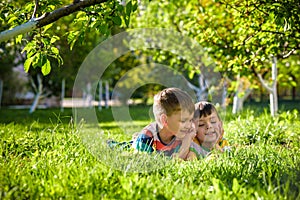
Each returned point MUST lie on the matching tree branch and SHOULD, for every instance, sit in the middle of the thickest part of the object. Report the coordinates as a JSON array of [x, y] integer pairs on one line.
[[47, 18], [263, 82], [35, 8], [67, 10], [288, 54]]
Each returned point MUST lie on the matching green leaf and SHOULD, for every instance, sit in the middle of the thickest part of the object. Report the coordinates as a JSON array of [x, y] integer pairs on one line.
[[36, 60], [29, 47], [29, 7], [80, 14], [19, 39], [54, 39], [27, 64], [294, 83], [54, 50], [191, 74], [45, 41], [46, 68], [127, 20], [117, 20], [59, 60], [12, 19], [128, 8], [47, 27], [134, 7], [72, 37], [235, 186], [103, 28], [81, 19], [50, 8]]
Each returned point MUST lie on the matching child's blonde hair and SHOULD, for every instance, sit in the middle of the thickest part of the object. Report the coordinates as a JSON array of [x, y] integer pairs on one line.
[[170, 101]]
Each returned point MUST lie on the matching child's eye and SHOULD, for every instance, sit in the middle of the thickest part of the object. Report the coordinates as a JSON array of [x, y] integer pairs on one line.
[[213, 122], [200, 125]]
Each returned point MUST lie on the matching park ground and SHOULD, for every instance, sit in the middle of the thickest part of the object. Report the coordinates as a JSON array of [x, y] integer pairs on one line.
[[44, 156]]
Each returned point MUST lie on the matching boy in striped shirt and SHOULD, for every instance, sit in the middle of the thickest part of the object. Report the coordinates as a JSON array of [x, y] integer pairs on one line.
[[173, 131]]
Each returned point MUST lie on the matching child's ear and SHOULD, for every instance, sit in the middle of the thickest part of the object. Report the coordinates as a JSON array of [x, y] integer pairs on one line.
[[164, 119]]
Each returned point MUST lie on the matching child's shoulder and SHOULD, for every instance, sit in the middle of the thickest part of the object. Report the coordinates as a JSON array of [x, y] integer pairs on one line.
[[198, 150], [148, 131]]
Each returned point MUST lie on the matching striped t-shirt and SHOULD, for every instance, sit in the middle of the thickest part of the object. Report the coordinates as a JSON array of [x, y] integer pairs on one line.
[[148, 140]]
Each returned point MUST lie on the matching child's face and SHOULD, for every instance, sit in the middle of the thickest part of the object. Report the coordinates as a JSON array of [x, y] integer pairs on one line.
[[180, 123], [208, 129]]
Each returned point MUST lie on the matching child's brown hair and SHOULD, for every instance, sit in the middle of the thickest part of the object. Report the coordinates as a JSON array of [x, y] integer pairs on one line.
[[172, 100], [204, 109]]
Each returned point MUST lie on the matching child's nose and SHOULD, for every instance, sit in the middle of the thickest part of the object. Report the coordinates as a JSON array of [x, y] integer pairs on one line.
[[188, 124], [208, 125]]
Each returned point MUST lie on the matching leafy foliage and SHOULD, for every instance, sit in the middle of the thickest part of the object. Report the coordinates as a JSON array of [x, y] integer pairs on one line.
[[40, 45], [240, 36]]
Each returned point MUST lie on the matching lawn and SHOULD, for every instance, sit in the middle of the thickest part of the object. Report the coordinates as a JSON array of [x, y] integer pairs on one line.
[[46, 156]]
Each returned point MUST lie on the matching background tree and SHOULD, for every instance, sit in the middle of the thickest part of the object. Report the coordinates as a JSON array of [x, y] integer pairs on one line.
[[31, 25], [242, 37]]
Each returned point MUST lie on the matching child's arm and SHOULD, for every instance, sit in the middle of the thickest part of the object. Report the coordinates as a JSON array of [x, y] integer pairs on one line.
[[191, 156], [143, 143], [186, 143]]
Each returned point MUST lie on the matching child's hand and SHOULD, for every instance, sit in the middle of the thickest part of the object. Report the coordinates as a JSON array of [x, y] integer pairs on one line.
[[218, 148], [191, 133], [220, 132], [186, 143]]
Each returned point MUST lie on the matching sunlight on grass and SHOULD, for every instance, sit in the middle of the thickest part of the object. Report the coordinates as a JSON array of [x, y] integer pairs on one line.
[[50, 158], [124, 160]]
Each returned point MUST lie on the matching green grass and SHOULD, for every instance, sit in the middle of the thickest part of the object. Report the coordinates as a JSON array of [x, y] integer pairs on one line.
[[45, 156]]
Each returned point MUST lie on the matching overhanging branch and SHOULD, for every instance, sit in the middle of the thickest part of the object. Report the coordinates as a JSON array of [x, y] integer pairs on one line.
[[47, 18], [67, 10]]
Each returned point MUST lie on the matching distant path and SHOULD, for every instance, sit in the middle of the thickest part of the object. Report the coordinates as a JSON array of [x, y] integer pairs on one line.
[[79, 102]]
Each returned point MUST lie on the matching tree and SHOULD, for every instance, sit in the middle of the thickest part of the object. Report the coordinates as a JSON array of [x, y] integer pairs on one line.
[[100, 15], [243, 37], [31, 26]]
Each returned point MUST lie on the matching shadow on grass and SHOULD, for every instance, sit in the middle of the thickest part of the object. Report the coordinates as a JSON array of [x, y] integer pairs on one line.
[[45, 116]]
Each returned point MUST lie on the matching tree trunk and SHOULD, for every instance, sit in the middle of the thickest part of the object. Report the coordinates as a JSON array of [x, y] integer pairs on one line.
[[238, 101], [35, 102], [62, 95], [202, 90], [273, 88], [1, 90], [89, 96], [236, 104], [100, 95], [106, 94], [294, 93], [38, 92], [273, 93], [273, 103], [224, 96]]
